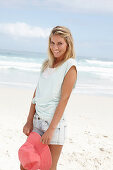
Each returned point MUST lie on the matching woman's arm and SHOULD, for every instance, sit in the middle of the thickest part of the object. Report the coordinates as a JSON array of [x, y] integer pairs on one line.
[[32, 110], [29, 124], [66, 90]]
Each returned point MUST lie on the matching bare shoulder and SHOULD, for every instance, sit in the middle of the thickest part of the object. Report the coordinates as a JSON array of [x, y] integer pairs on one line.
[[69, 81], [71, 72], [71, 76]]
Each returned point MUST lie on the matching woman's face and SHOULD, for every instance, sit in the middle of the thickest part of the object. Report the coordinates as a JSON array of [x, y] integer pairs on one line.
[[58, 46]]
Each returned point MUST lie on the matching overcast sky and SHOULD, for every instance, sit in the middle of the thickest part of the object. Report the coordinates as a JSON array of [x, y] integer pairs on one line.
[[25, 25]]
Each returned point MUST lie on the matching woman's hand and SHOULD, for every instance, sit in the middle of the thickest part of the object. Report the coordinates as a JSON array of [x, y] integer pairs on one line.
[[46, 137], [28, 127]]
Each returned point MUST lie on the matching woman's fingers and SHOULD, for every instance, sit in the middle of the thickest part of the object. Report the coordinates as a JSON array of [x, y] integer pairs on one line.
[[45, 140], [27, 129], [27, 132]]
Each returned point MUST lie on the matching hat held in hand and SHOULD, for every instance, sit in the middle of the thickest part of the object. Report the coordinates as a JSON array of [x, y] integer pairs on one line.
[[34, 155]]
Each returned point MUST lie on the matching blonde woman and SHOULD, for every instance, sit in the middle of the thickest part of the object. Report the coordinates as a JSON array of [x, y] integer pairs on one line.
[[57, 79]]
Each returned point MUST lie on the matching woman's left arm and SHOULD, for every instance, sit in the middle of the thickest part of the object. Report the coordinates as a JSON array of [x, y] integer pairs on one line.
[[66, 90]]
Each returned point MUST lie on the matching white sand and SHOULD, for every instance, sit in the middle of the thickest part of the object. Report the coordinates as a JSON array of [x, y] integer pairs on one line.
[[89, 145]]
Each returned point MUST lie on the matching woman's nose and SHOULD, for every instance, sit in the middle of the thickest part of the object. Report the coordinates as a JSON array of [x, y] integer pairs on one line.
[[55, 46]]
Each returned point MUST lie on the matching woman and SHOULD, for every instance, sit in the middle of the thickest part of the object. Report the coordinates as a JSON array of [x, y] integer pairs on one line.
[[57, 78]]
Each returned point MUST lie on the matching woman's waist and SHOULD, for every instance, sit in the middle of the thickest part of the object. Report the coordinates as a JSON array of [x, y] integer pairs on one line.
[[48, 100], [48, 118], [46, 111]]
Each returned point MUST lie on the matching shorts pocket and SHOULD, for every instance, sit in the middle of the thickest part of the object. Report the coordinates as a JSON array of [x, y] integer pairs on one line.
[[36, 122], [44, 125]]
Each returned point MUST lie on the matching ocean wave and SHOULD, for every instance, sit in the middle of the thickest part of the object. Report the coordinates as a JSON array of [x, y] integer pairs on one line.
[[100, 63], [21, 59], [95, 69], [100, 71], [94, 89], [25, 66]]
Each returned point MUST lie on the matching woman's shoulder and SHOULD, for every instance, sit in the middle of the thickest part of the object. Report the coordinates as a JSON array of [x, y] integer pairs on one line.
[[69, 62]]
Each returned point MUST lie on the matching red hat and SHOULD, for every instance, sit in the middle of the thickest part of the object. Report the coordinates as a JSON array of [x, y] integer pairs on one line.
[[34, 155]]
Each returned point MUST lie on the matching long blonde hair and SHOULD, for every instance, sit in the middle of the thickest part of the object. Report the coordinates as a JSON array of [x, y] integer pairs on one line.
[[70, 53]]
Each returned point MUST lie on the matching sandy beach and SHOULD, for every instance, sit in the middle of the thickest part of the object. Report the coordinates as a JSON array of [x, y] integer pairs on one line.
[[89, 145]]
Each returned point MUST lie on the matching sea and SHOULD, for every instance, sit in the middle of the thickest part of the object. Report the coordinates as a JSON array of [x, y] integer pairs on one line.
[[22, 68]]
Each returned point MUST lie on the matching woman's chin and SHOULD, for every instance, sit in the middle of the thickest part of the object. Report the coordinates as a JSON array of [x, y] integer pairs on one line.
[[56, 55]]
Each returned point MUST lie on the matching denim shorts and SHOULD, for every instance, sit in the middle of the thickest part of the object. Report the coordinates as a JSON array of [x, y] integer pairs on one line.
[[60, 133]]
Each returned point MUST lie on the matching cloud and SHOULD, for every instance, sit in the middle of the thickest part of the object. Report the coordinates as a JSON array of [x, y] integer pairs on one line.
[[12, 3], [20, 29], [95, 6]]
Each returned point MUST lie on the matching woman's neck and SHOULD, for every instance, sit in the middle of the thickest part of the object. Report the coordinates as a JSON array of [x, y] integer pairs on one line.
[[57, 61]]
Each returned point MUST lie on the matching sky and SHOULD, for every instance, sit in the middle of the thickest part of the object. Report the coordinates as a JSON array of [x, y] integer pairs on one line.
[[25, 25]]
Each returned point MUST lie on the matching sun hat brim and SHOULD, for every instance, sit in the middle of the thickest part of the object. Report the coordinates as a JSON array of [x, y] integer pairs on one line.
[[34, 155]]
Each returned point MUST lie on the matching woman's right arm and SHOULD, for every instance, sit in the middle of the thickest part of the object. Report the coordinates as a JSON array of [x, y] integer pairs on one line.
[[28, 127]]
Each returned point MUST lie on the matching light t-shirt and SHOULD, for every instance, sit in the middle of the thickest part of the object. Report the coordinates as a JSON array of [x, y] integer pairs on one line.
[[48, 90]]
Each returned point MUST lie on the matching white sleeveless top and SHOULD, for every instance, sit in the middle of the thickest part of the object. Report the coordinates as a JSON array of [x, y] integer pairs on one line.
[[48, 90]]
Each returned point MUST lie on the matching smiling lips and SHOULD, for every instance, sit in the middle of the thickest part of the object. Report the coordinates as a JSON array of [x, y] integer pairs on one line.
[[56, 51]]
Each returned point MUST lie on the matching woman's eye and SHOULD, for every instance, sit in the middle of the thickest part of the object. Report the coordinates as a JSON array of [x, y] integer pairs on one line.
[[59, 43], [52, 43]]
